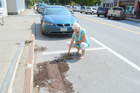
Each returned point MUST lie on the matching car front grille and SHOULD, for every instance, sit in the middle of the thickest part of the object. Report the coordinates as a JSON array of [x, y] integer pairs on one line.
[[61, 25]]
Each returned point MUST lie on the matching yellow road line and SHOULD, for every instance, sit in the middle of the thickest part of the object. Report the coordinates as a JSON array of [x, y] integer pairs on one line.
[[114, 26]]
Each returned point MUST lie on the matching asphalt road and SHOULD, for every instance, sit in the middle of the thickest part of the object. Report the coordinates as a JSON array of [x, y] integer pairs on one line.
[[111, 64]]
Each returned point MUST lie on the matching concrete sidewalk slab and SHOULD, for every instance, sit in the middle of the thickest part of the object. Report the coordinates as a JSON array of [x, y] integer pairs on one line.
[[17, 29]]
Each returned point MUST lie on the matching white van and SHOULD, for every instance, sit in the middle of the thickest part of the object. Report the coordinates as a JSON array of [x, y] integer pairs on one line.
[[116, 12]]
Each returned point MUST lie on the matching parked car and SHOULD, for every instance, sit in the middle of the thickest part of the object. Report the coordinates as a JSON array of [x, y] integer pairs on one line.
[[83, 9], [102, 11], [76, 8], [117, 12], [41, 7], [57, 20], [91, 10]]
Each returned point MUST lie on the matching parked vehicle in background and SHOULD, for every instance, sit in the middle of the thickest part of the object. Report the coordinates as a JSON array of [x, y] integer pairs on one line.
[[91, 10], [116, 12], [102, 11], [57, 20], [41, 7], [94, 10], [76, 8], [83, 9], [69, 7]]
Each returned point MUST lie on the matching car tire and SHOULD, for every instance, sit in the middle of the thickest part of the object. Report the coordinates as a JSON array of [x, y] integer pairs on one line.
[[108, 17], [112, 17], [42, 30]]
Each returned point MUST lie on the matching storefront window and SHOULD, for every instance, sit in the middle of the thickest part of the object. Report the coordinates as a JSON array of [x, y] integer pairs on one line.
[[129, 9]]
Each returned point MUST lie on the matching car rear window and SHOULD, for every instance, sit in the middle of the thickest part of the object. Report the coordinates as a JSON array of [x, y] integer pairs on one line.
[[94, 9], [101, 8], [83, 7]]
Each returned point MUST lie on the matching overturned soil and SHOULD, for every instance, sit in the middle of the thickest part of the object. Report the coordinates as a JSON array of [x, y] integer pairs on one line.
[[51, 75]]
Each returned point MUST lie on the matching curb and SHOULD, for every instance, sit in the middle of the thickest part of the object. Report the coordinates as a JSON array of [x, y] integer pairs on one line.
[[30, 62], [135, 20], [29, 69]]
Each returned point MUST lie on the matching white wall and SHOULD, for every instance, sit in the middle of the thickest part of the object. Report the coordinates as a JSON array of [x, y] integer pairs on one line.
[[11, 6], [4, 7], [15, 6]]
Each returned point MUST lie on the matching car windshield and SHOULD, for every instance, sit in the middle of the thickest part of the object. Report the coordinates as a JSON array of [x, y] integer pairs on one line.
[[117, 9], [57, 11], [101, 8], [83, 7], [88, 8]]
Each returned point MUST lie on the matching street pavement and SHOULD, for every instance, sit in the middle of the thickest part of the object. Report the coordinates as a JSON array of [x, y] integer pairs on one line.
[[111, 64]]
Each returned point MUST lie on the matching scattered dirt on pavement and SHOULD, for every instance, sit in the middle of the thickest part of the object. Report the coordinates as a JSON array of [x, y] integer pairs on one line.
[[39, 48], [51, 75], [28, 41]]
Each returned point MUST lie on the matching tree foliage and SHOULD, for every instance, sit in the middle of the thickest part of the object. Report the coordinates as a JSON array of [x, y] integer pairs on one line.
[[65, 2]]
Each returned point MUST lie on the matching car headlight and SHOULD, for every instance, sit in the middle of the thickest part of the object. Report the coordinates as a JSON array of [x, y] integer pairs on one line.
[[48, 23]]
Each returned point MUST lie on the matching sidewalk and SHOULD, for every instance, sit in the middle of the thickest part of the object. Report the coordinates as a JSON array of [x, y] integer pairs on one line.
[[133, 19], [16, 30]]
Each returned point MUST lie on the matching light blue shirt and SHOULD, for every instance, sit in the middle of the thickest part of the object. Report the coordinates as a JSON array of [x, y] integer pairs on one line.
[[80, 36]]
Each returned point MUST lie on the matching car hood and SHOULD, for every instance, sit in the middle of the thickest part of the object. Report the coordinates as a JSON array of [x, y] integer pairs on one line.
[[60, 19]]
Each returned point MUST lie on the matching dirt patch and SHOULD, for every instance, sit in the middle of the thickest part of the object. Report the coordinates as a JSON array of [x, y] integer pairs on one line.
[[28, 41], [40, 48], [51, 74]]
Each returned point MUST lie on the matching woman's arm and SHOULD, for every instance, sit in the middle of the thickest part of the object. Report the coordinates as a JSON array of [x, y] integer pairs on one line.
[[70, 46]]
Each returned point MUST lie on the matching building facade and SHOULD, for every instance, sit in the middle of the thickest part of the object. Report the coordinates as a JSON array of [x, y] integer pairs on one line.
[[12, 6], [109, 3], [132, 7]]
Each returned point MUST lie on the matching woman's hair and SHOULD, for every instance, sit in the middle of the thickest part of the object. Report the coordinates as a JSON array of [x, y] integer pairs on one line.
[[76, 25]]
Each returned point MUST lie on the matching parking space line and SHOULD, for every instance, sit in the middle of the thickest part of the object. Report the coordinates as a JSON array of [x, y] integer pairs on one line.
[[132, 64], [74, 50]]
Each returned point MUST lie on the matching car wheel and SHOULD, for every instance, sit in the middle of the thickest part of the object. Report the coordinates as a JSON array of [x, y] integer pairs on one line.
[[108, 17], [112, 17], [42, 30], [123, 18]]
